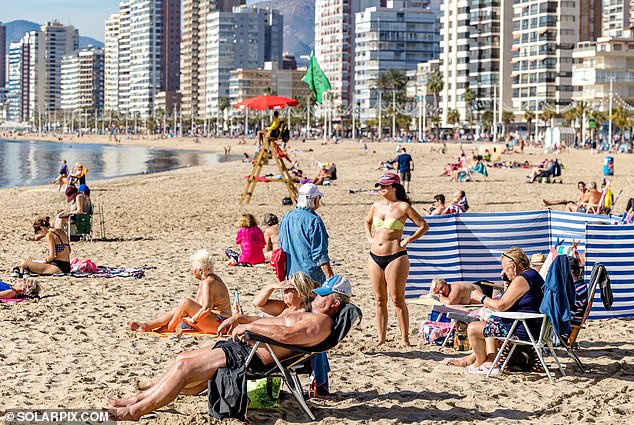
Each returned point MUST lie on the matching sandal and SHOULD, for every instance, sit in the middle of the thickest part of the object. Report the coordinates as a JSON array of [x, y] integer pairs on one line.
[[16, 272]]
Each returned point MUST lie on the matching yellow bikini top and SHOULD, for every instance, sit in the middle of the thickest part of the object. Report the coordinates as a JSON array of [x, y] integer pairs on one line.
[[390, 223]]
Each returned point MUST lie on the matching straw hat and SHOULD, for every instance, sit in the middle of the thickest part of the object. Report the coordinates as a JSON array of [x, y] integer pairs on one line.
[[538, 259]]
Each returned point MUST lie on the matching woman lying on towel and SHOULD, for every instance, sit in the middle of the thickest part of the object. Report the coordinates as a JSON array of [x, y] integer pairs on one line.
[[205, 313], [524, 294], [21, 288], [58, 260]]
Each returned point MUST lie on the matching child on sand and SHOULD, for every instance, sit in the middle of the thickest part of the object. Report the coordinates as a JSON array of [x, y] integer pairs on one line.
[[204, 314]]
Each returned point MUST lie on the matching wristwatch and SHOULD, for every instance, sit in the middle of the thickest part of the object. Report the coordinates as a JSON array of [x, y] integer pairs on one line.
[[482, 299]]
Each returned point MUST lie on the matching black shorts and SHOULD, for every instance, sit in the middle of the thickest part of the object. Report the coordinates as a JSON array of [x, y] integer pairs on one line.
[[406, 176], [64, 266], [236, 354]]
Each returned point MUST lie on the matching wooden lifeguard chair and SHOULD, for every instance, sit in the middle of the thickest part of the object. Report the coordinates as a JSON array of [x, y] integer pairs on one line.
[[269, 150]]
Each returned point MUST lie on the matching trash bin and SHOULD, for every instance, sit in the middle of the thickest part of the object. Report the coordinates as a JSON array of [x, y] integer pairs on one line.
[[608, 166]]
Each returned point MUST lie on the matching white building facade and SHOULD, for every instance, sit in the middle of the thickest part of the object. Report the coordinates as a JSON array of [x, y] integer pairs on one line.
[[83, 81], [246, 38], [397, 37]]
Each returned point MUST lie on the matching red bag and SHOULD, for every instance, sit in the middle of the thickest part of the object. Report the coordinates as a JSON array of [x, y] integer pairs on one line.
[[278, 263]]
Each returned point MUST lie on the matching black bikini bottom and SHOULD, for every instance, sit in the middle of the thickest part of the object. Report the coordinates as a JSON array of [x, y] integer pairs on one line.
[[383, 260]]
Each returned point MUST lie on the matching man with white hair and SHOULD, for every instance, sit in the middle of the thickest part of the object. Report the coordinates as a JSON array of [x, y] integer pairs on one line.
[[303, 237]]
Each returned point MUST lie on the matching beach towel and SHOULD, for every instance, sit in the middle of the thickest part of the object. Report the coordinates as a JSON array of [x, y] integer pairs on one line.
[[183, 332], [559, 295], [109, 272], [12, 300]]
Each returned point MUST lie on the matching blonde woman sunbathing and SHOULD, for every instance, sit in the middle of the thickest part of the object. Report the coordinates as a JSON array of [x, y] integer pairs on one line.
[[206, 312]]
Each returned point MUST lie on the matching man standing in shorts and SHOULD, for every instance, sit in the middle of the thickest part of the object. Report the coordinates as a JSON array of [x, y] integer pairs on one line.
[[405, 166]]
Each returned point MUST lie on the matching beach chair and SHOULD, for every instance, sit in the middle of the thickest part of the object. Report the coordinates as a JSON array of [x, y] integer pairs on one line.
[[289, 368], [540, 344], [79, 227], [470, 173], [598, 278]]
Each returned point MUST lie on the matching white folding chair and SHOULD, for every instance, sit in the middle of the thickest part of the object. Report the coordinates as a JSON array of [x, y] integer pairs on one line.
[[544, 341]]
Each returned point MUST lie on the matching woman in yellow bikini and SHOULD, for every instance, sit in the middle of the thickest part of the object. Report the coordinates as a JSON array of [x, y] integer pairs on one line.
[[388, 265]]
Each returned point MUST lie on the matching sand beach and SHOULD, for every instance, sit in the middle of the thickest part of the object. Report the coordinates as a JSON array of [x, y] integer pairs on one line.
[[72, 348]]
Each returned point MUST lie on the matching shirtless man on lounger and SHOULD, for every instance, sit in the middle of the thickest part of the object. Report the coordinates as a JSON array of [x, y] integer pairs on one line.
[[192, 369], [572, 206], [457, 293]]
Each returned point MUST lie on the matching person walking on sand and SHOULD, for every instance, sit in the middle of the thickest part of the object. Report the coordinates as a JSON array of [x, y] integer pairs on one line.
[[405, 166], [388, 265]]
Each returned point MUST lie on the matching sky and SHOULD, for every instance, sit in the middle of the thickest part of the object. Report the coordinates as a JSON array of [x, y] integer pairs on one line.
[[89, 16]]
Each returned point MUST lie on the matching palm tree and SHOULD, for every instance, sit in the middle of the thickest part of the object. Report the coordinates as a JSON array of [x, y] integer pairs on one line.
[[487, 120], [435, 84], [529, 117], [469, 98], [548, 114], [507, 118], [620, 118], [453, 117]]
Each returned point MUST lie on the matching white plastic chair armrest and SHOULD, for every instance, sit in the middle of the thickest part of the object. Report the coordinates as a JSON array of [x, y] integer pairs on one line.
[[517, 315]]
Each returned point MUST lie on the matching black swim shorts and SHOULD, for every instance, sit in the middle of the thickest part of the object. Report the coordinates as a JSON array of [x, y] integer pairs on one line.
[[236, 354]]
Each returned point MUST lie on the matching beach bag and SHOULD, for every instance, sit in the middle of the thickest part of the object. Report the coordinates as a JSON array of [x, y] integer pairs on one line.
[[460, 338], [430, 331], [608, 200], [82, 266], [278, 263]]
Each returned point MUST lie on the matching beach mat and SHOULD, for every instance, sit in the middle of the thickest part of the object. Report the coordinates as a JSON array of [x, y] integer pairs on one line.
[[109, 272]]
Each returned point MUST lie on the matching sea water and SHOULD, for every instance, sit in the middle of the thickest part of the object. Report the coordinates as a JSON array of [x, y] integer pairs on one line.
[[30, 163]]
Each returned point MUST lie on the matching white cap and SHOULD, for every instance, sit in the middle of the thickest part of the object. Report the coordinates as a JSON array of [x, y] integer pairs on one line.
[[310, 190]]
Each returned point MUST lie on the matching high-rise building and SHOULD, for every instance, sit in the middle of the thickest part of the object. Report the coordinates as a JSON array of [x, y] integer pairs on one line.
[[83, 80], [455, 43], [335, 44], [142, 54], [490, 54], [14, 96], [3, 55], [396, 37], [616, 17], [42, 67], [604, 66], [544, 36], [247, 37], [193, 51]]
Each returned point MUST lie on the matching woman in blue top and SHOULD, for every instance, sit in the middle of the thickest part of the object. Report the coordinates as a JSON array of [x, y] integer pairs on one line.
[[524, 294]]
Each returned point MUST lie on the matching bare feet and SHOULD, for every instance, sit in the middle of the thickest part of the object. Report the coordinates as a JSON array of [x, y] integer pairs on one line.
[[406, 343], [138, 327], [121, 414], [121, 402], [462, 362]]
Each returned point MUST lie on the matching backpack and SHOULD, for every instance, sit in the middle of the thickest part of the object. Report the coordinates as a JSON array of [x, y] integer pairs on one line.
[[278, 263]]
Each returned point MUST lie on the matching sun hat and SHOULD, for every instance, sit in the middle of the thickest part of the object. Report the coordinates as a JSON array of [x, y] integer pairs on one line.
[[388, 179], [538, 259], [71, 193], [310, 190], [337, 284]]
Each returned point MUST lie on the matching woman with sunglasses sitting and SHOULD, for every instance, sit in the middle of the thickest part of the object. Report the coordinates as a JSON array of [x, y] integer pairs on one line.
[[58, 259], [524, 294]]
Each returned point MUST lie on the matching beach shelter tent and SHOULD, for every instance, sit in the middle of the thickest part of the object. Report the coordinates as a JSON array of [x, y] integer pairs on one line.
[[467, 247], [559, 136]]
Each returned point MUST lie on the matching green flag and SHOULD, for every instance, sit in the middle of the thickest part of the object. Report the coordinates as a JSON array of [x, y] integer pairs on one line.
[[316, 79]]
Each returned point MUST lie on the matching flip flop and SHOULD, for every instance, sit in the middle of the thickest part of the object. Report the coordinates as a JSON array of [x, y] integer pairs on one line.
[[480, 370]]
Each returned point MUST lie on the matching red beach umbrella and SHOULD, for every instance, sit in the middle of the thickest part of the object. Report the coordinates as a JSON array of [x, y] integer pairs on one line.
[[262, 103]]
